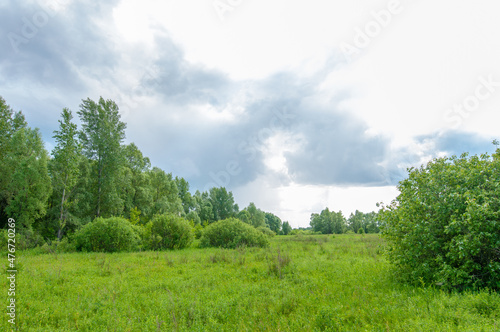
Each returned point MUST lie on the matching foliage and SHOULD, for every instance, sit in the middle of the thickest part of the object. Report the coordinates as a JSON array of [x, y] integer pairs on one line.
[[203, 207], [113, 234], [101, 136], [25, 185], [135, 184], [222, 202], [444, 227], [198, 231], [367, 221], [232, 233], [273, 222], [57, 247], [169, 231], [253, 216], [165, 193], [64, 169], [193, 217], [328, 222], [266, 231], [187, 200], [135, 216], [286, 228], [27, 239], [94, 174]]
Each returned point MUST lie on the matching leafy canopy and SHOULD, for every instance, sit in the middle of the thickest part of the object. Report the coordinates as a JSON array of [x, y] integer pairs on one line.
[[444, 227]]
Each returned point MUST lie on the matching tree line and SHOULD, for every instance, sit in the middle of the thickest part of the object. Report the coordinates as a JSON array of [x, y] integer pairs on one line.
[[331, 222], [91, 173]]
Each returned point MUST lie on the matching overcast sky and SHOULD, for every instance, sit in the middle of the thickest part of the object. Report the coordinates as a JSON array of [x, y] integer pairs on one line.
[[294, 105]]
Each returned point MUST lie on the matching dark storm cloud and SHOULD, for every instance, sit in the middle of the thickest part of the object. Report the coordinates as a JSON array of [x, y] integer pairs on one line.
[[46, 54], [44, 46], [178, 81], [224, 153], [71, 48], [337, 151]]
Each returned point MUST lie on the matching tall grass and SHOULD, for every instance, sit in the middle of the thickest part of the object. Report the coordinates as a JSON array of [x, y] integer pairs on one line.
[[299, 283]]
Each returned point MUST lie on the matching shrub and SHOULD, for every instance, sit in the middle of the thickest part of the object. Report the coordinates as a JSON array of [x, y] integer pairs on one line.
[[232, 233], [169, 231], [63, 246], [107, 235], [266, 231], [24, 239], [198, 231], [444, 227]]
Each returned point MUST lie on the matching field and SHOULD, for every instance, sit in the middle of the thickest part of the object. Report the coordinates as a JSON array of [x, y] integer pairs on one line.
[[299, 283]]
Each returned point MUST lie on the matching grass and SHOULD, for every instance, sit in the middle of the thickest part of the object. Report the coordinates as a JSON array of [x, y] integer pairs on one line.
[[300, 283]]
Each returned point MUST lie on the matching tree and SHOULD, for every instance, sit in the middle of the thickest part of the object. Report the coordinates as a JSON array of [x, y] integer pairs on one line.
[[6, 131], [134, 183], [286, 228], [223, 205], [444, 227], [255, 216], [184, 194], [64, 167], [273, 222], [102, 135], [244, 216], [203, 207], [165, 193], [328, 222], [371, 222], [26, 183], [356, 221]]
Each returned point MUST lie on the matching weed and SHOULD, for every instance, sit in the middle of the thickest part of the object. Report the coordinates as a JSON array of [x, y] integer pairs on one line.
[[277, 263], [184, 259], [220, 256], [169, 261]]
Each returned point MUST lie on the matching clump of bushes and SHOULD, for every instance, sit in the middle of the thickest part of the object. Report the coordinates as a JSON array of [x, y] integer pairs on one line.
[[232, 233], [56, 246], [266, 231], [107, 235], [444, 227], [168, 231]]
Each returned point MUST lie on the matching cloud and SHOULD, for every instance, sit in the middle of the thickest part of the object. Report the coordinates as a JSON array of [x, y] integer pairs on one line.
[[196, 121], [52, 53], [455, 142], [50, 47], [336, 151]]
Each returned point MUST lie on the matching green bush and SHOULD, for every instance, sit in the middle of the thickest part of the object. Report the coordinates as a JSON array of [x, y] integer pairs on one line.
[[232, 233], [24, 239], [107, 235], [444, 227], [63, 246], [266, 231], [198, 231], [169, 231]]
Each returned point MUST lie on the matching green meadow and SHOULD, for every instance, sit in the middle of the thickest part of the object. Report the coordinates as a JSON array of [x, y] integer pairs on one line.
[[299, 283]]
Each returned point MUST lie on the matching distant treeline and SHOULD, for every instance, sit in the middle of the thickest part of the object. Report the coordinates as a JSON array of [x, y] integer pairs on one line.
[[330, 222], [91, 173]]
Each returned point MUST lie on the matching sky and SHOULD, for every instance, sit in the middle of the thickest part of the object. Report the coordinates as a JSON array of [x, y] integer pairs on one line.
[[293, 105]]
